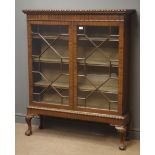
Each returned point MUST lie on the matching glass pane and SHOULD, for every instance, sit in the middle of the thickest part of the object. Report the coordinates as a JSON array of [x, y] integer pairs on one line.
[[50, 64], [97, 61]]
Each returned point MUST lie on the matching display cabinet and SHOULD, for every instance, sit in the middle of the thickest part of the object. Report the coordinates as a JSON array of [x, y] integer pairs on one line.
[[78, 66]]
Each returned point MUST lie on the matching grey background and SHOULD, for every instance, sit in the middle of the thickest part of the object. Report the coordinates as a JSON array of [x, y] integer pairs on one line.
[[21, 98]]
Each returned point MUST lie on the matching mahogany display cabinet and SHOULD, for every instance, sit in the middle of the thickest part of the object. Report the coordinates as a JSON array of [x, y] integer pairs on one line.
[[78, 66]]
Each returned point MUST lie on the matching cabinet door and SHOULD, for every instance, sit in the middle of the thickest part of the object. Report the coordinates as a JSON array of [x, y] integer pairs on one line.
[[50, 65], [97, 62]]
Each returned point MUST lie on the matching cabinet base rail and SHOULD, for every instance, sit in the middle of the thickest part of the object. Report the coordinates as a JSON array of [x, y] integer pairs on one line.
[[120, 122]]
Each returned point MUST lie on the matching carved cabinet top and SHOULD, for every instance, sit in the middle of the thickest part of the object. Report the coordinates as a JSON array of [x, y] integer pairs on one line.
[[80, 12]]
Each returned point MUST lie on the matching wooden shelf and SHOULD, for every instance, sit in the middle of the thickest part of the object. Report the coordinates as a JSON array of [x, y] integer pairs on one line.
[[105, 89], [101, 57], [111, 86], [113, 38], [97, 101], [51, 60], [89, 62], [60, 85], [41, 83], [53, 98], [51, 37]]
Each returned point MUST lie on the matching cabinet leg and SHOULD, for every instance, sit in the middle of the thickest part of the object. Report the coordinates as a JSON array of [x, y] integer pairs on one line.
[[122, 132], [127, 134], [41, 126], [28, 119]]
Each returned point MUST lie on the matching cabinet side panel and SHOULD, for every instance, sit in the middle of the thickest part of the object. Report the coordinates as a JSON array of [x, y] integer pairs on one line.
[[126, 66], [124, 61], [29, 60], [121, 68]]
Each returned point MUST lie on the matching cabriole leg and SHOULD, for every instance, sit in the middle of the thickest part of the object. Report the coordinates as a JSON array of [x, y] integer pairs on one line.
[[122, 132], [41, 122], [28, 119], [127, 133]]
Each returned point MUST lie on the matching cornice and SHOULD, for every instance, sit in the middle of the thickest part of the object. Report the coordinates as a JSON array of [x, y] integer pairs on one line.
[[79, 12]]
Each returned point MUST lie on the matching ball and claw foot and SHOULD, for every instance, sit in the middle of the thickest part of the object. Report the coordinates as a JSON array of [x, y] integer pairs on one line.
[[28, 132], [122, 147]]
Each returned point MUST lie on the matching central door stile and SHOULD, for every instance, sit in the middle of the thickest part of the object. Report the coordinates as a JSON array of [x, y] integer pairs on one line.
[[72, 69], [74, 24]]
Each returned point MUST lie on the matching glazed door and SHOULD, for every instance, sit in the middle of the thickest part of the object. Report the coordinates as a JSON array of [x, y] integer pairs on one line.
[[50, 62], [97, 63]]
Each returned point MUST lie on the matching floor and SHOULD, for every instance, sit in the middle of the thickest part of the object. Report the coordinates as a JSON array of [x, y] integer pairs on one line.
[[60, 140]]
